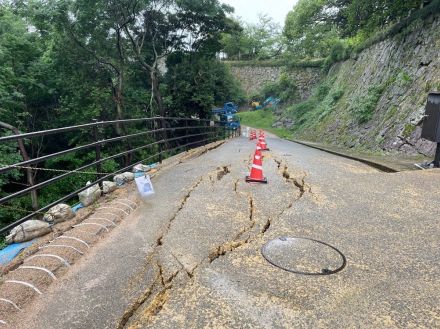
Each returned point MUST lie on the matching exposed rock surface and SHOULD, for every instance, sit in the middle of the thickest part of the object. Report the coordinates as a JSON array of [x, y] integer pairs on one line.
[[408, 66], [391, 80], [253, 78]]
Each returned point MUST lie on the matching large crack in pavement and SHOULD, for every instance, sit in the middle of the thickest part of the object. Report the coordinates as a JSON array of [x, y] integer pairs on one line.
[[156, 295], [289, 177], [236, 241], [182, 204], [162, 283], [196, 154], [232, 245]]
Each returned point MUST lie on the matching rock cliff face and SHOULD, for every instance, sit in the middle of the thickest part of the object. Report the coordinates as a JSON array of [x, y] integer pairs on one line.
[[377, 100], [399, 73], [253, 78]]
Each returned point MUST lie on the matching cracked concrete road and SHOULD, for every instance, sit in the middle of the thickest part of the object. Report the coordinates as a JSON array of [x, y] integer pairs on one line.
[[190, 257]]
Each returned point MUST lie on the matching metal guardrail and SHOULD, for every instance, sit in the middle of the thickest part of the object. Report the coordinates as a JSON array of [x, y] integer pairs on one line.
[[191, 133]]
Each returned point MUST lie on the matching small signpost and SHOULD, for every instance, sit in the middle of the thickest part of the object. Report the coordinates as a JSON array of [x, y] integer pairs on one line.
[[431, 124]]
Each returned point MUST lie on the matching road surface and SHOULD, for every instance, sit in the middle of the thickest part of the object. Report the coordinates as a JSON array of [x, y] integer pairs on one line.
[[191, 256]]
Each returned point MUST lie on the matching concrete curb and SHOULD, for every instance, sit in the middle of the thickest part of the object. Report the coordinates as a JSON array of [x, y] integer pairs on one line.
[[377, 165]]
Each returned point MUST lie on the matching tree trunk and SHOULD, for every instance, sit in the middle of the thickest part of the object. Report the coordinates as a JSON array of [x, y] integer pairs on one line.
[[156, 92], [158, 99], [25, 156], [117, 100]]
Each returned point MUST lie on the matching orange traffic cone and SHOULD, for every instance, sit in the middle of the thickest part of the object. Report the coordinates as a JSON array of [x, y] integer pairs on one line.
[[263, 144], [254, 134], [256, 174], [258, 151]]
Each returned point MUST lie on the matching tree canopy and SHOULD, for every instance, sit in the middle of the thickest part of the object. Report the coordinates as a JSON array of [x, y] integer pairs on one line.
[[318, 28], [262, 40], [66, 62]]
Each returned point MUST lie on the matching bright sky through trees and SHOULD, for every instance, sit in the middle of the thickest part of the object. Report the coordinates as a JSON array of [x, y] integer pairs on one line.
[[249, 9]]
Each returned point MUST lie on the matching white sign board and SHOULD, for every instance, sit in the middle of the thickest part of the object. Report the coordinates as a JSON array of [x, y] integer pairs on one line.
[[144, 186]]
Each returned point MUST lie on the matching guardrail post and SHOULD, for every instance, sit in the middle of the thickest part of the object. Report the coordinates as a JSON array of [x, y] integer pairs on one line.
[[206, 124], [437, 157], [97, 150], [162, 138], [186, 135]]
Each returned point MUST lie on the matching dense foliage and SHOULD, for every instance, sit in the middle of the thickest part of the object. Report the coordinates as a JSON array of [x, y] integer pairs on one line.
[[323, 29], [334, 28], [66, 62], [248, 41]]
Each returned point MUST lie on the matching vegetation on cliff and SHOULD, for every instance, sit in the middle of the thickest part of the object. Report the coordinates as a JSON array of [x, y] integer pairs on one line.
[[379, 61]]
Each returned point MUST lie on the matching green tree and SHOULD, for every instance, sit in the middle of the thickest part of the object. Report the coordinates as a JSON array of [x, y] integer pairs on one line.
[[196, 84], [158, 28], [371, 15], [309, 29], [253, 41]]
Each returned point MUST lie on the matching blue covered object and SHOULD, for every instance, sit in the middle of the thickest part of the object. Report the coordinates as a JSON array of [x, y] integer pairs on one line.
[[77, 207], [142, 173], [11, 251]]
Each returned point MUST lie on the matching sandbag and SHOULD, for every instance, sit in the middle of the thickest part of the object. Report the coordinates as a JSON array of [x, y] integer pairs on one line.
[[108, 186], [141, 168], [123, 178], [128, 176], [119, 179], [59, 213], [90, 195], [28, 230]]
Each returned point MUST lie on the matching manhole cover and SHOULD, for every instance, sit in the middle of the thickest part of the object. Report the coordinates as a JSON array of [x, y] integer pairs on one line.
[[303, 256]]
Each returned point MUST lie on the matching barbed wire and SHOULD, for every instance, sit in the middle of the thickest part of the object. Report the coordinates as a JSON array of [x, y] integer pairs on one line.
[[55, 170], [22, 210]]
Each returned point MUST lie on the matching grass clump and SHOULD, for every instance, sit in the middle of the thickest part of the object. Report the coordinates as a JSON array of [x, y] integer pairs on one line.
[[363, 107], [322, 102], [408, 130]]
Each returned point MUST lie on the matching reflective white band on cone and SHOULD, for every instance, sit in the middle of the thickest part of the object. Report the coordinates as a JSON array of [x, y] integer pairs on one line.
[[257, 167]]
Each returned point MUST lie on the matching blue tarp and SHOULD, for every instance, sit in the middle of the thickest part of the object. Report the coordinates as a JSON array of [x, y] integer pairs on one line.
[[9, 253], [77, 207]]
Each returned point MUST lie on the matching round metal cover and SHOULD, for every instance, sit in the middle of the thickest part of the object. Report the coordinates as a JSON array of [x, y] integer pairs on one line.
[[303, 256]]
